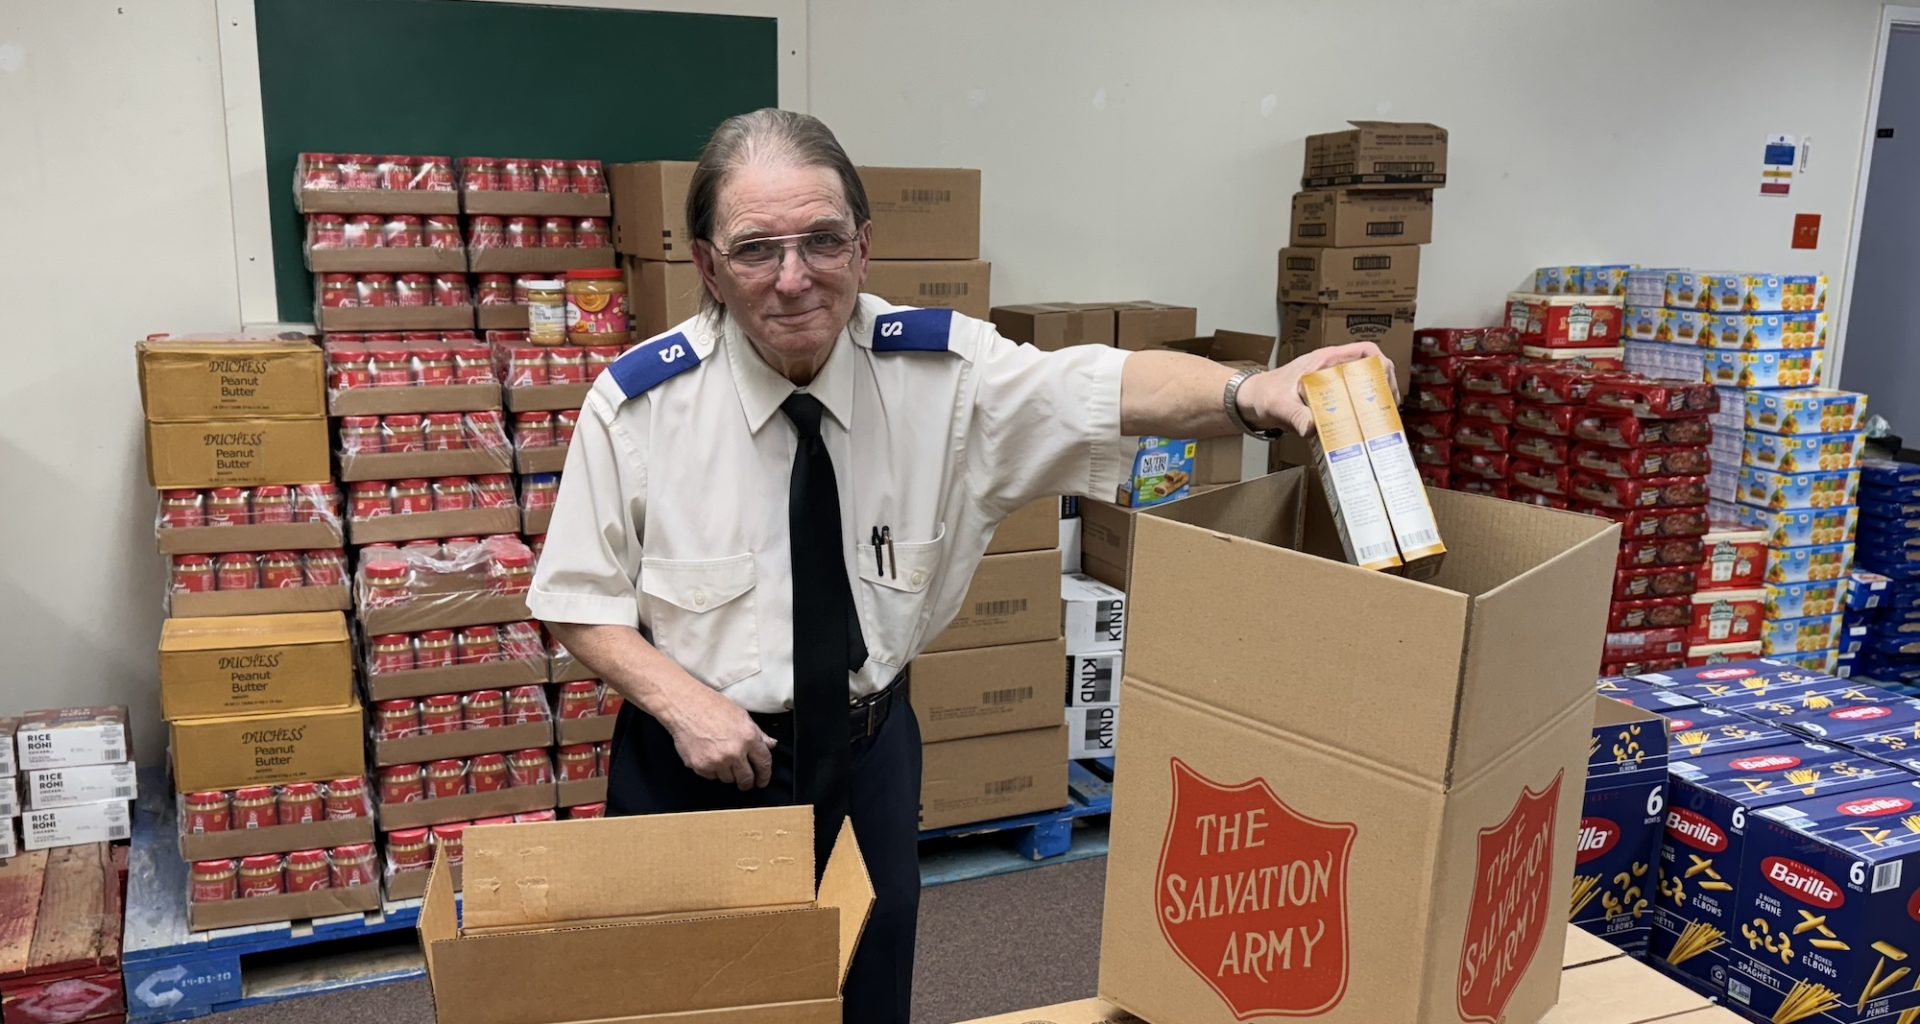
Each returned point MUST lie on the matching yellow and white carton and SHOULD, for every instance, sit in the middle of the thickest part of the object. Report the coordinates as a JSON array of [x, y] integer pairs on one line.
[[1414, 530], [1340, 454]]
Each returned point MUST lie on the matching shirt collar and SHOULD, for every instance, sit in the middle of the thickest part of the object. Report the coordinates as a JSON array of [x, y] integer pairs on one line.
[[762, 388]]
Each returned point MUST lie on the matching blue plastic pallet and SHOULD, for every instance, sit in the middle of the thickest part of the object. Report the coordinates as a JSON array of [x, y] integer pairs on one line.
[[1049, 833], [172, 974]]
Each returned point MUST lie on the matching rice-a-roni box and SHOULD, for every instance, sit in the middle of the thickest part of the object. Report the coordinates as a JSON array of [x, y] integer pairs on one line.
[[1277, 852]]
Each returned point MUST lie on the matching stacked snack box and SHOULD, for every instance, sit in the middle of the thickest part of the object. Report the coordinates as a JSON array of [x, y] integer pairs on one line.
[[1463, 411], [1798, 483], [1095, 617], [76, 778], [1883, 634], [1351, 269]]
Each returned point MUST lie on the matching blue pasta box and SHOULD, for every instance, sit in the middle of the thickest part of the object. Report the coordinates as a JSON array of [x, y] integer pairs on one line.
[[1885, 473], [1800, 636], [1711, 802], [1888, 513], [1768, 489], [1816, 661], [1645, 696], [1604, 279], [1865, 589], [1753, 679], [1799, 600], [1853, 639], [1709, 730], [1777, 368], [1801, 527], [1806, 411], [1828, 914], [1738, 292], [1801, 565], [1688, 289], [1644, 323], [1753, 331], [1832, 715], [1895, 561], [1844, 666], [1797, 453], [1620, 817], [1162, 472]]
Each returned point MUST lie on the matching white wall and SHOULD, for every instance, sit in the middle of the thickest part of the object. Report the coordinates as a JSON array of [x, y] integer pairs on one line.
[[1149, 150], [1883, 336], [1131, 149]]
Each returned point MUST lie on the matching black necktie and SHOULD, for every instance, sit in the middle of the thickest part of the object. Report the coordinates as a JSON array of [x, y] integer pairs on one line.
[[827, 644]]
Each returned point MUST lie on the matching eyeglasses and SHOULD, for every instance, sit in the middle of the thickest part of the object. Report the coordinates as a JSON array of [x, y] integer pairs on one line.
[[762, 257]]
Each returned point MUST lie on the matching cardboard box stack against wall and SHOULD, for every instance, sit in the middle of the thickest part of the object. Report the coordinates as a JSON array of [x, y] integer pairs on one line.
[[926, 240]]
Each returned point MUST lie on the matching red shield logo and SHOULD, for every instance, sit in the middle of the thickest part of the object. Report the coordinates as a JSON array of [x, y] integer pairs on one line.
[[1253, 896], [1512, 874]]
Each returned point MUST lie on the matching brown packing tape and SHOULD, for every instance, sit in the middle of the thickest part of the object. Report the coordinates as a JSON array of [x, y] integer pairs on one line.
[[399, 465], [293, 906], [501, 260], [394, 318], [278, 601], [538, 204], [380, 201], [497, 675], [415, 260], [464, 743], [472, 522], [382, 401], [445, 611], [583, 791], [595, 729], [316, 835], [547, 397], [540, 460], [213, 540], [472, 806]]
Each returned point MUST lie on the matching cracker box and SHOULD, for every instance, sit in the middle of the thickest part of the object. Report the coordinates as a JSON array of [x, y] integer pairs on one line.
[[1799, 453], [1827, 891], [1727, 616], [71, 737], [1712, 800], [1094, 679], [1801, 527], [1091, 730], [1566, 321], [1800, 565], [1162, 471], [1813, 490], [1795, 636], [1782, 368], [1620, 818], [1764, 330], [1734, 292], [1095, 615], [64, 787], [1806, 411], [1645, 323], [1799, 600], [1417, 895], [75, 825]]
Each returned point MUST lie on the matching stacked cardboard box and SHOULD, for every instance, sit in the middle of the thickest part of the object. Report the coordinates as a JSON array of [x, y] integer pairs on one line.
[[1351, 269], [926, 240], [9, 790], [987, 690], [76, 781], [1882, 640], [1095, 617]]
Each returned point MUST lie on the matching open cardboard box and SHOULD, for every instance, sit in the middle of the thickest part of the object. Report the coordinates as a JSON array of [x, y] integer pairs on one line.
[[400, 465], [469, 807], [378, 401], [505, 260], [711, 917], [462, 743], [581, 791], [417, 259], [290, 906], [424, 682], [262, 601], [214, 540], [547, 397], [538, 204], [551, 459], [245, 842], [1427, 833], [467, 522], [392, 318]]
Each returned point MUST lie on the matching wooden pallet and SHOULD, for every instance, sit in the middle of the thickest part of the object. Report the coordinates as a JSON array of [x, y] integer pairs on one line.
[[60, 918], [1047, 834]]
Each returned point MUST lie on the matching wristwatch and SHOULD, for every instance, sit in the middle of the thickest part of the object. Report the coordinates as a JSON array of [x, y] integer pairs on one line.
[[1231, 400]]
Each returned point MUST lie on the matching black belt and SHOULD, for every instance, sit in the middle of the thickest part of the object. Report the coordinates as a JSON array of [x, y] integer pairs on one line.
[[864, 716]]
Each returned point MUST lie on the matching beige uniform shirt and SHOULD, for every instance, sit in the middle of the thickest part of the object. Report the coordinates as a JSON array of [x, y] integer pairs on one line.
[[672, 513]]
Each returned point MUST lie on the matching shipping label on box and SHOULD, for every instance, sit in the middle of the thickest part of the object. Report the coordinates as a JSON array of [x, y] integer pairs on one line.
[[254, 663], [987, 777], [73, 826], [9, 797], [1091, 729], [1014, 598], [960, 285], [1093, 679], [1094, 613], [238, 453], [1618, 848], [261, 750], [207, 377], [70, 737], [64, 787]]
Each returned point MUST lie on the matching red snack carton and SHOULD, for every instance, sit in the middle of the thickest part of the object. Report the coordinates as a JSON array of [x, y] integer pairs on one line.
[[1484, 465], [1553, 384], [1551, 420], [1566, 321], [1491, 488], [1542, 448], [1538, 476], [1635, 668], [1487, 375], [1435, 476], [1655, 399], [1733, 559], [1727, 616], [1646, 523], [1436, 426], [1492, 408], [1433, 398], [1650, 492], [1677, 551], [1652, 581], [1435, 373], [1472, 433], [1646, 644], [1533, 497], [1718, 654], [1623, 429], [1650, 613], [1465, 341], [1657, 460], [1591, 360], [1430, 452]]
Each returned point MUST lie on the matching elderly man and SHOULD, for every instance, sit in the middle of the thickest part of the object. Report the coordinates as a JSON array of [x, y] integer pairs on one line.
[[712, 553]]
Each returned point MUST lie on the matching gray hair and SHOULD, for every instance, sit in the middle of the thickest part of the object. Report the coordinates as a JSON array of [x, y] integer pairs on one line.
[[774, 136]]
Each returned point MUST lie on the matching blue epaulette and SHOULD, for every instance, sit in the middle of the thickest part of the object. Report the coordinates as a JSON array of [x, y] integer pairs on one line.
[[650, 364], [913, 330]]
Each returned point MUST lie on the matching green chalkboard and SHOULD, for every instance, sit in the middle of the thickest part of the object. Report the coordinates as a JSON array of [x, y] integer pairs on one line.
[[457, 78]]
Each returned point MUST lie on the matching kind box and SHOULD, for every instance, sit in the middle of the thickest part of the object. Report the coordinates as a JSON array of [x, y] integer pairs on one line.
[[1281, 848]]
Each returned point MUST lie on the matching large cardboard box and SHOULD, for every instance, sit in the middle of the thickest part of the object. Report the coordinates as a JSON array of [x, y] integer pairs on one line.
[[1014, 598], [1372, 274], [650, 209], [253, 663], [1052, 326], [924, 213], [1141, 324], [1033, 527], [238, 453], [1085, 1011], [1106, 539], [959, 285], [987, 690], [264, 750], [207, 377], [718, 913], [661, 294], [1238, 349], [1307, 326], [1377, 155], [988, 777], [1317, 759], [1343, 219]]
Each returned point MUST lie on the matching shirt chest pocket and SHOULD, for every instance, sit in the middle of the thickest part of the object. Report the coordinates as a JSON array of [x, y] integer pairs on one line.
[[702, 615], [895, 591]]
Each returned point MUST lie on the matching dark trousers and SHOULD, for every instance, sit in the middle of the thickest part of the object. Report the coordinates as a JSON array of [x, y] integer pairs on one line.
[[646, 776]]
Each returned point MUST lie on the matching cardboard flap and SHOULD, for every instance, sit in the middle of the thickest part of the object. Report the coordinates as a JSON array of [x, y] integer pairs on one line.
[[214, 633], [439, 920], [845, 886], [1396, 124], [542, 873], [1583, 947]]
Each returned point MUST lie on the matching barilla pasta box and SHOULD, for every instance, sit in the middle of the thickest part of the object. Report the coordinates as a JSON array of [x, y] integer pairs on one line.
[[1801, 453], [1834, 717], [1806, 411], [1711, 803], [1799, 600], [1162, 472], [1764, 330], [1644, 696], [1620, 817], [1375, 408], [1896, 745], [1828, 918], [1882, 473], [1801, 565], [1755, 679], [1801, 528], [1340, 454], [1708, 730], [1776, 368], [1799, 636], [1805, 490]]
